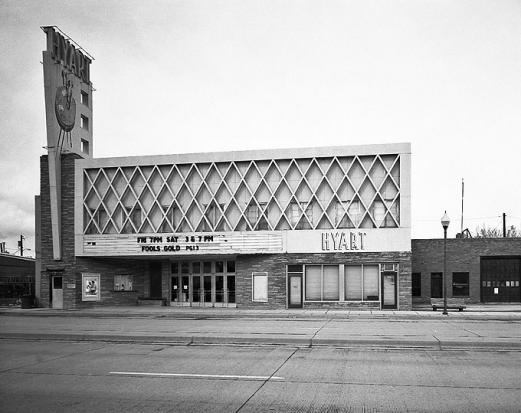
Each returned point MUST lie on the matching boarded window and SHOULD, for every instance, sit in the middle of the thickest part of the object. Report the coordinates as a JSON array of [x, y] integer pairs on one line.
[[260, 286]]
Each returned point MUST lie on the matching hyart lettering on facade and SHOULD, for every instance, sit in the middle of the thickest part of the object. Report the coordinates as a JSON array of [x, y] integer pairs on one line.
[[343, 241]]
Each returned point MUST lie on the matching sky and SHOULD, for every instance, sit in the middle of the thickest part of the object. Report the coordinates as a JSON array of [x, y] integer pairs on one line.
[[211, 75]]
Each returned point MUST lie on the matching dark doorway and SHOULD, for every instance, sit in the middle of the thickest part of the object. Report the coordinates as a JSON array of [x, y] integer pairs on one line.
[[155, 280], [500, 279], [436, 285]]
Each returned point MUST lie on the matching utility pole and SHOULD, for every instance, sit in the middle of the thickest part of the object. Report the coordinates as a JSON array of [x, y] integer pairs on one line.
[[21, 245], [504, 225]]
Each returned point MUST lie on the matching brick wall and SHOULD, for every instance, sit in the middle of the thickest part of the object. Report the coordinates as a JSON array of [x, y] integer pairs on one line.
[[275, 266], [70, 267], [463, 255]]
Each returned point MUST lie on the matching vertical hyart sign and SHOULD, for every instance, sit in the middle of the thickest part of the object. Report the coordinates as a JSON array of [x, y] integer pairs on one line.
[[68, 110]]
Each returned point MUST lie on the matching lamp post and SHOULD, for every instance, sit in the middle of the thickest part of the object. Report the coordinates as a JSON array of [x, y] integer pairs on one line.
[[445, 221]]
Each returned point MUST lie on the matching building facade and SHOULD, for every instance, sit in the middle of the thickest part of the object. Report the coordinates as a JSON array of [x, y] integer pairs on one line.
[[486, 270], [300, 228], [17, 276]]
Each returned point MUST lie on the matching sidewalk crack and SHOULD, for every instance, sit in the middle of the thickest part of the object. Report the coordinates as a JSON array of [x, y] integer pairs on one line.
[[318, 331]]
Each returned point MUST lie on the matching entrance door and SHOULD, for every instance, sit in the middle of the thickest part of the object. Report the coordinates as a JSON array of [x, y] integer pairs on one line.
[[155, 280], [389, 290], [57, 292], [295, 291]]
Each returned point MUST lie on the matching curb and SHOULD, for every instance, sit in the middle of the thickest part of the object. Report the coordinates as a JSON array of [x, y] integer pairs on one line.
[[300, 342], [195, 315]]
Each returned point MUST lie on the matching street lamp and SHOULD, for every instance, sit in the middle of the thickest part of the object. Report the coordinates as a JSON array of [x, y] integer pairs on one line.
[[445, 221]]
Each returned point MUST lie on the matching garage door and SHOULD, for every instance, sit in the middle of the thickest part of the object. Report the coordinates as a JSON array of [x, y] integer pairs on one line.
[[500, 279]]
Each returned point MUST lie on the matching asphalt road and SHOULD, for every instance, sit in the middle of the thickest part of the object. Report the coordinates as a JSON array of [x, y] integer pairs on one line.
[[57, 376]]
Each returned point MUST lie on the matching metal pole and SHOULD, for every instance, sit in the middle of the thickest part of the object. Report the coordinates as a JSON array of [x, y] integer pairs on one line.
[[504, 225], [445, 271]]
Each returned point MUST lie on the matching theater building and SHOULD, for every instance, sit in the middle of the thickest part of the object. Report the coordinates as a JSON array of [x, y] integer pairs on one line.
[[289, 228]]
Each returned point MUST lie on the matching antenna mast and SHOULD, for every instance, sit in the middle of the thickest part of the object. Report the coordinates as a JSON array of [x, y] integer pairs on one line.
[[462, 198]]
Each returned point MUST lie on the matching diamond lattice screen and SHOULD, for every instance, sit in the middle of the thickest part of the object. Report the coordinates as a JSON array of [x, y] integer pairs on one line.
[[311, 193]]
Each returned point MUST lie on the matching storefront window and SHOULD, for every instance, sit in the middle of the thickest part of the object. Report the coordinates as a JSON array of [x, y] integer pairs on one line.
[[361, 282], [353, 282], [313, 282], [322, 283], [123, 282]]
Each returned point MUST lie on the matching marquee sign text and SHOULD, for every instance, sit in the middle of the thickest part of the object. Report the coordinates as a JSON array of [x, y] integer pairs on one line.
[[173, 243]]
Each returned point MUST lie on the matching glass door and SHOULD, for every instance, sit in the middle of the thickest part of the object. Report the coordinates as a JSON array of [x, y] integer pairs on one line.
[[295, 291], [389, 290], [204, 284], [207, 291]]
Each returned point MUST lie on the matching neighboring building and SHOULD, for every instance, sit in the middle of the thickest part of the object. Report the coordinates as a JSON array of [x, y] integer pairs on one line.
[[16, 278], [308, 227], [478, 269]]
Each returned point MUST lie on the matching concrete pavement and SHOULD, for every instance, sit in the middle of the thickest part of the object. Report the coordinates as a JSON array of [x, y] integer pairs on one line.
[[490, 330]]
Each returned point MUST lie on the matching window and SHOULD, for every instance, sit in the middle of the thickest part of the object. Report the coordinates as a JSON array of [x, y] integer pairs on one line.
[[219, 266], [294, 214], [361, 282], [370, 282], [167, 224], [260, 286], [196, 267], [123, 283], [378, 212], [460, 284], [354, 212], [306, 221], [436, 285], [84, 122], [84, 146], [253, 214], [84, 98], [321, 283], [230, 266], [134, 217], [416, 284], [185, 267]]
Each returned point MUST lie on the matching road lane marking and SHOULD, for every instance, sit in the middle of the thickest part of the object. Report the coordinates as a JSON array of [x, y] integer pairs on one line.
[[197, 376]]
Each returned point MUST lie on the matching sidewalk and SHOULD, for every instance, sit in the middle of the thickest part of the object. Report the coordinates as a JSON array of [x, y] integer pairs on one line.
[[474, 312], [475, 330]]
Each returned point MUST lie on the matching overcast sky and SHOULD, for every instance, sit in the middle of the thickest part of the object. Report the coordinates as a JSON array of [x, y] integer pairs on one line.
[[208, 75]]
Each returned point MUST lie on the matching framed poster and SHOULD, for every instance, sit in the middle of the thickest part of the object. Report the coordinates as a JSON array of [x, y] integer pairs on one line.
[[90, 287]]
